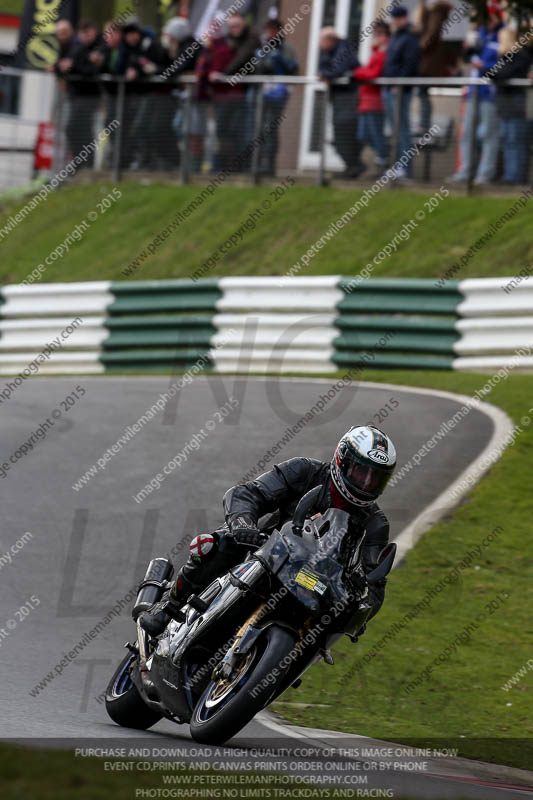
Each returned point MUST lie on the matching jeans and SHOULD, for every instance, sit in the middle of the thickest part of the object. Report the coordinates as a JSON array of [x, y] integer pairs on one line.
[[513, 136], [268, 148], [486, 134], [426, 108], [404, 133], [345, 127], [370, 131]]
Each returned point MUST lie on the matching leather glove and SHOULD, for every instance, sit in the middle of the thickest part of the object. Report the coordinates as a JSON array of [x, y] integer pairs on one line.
[[251, 537]]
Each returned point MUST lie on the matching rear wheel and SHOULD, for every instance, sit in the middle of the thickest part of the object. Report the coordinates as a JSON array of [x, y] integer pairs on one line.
[[123, 702], [227, 705]]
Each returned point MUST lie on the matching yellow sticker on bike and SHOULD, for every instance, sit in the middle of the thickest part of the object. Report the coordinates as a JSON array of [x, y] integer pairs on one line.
[[310, 581]]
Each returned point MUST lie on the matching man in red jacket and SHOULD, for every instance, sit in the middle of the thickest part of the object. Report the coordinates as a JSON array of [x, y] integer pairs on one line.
[[371, 112]]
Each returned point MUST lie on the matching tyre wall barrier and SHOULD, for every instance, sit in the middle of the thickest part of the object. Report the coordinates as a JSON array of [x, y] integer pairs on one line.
[[266, 325]]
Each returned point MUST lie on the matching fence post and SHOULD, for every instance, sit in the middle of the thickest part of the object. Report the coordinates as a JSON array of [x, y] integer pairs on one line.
[[58, 113], [472, 139], [259, 119], [321, 176], [117, 149], [185, 163], [396, 124]]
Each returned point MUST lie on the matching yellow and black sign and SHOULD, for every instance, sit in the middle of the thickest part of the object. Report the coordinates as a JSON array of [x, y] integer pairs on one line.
[[310, 580], [38, 47]]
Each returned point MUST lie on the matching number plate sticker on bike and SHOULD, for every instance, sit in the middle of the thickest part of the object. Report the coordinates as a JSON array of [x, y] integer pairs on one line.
[[309, 580]]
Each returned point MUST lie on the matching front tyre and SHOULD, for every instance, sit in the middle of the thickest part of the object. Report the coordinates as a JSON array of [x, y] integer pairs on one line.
[[227, 706], [123, 702]]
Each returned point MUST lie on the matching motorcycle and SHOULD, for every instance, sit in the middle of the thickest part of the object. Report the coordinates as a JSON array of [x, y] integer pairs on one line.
[[252, 633]]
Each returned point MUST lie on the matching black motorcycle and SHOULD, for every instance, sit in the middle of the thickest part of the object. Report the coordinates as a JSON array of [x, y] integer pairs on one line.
[[251, 633]]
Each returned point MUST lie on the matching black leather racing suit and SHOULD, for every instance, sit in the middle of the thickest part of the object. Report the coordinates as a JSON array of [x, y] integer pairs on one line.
[[279, 490]]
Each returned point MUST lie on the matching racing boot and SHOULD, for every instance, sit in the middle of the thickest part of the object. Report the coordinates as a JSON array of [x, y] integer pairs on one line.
[[169, 607], [200, 569]]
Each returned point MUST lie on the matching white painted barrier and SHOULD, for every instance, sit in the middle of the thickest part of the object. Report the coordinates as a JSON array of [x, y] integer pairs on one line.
[[56, 299], [36, 334], [304, 295], [486, 297]]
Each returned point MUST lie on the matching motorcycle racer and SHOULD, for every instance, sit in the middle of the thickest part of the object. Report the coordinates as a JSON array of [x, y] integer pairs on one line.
[[362, 465]]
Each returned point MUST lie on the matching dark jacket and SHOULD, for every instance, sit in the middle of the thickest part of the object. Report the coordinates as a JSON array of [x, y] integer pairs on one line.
[[284, 485], [338, 63], [147, 50], [511, 100], [186, 57], [244, 47], [281, 60], [82, 65], [403, 55], [433, 59]]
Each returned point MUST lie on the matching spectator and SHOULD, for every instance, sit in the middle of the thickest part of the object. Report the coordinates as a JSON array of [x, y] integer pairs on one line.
[[66, 39], [114, 62], [228, 100], [481, 49], [514, 62], [431, 16], [403, 56], [86, 61], [276, 57], [370, 109], [244, 42], [338, 59], [182, 51], [144, 59]]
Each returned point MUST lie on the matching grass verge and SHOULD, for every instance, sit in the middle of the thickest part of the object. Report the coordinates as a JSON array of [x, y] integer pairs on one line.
[[281, 234], [461, 702]]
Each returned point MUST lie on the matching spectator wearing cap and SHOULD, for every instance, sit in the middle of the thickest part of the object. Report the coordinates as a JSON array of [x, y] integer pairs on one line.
[[515, 61], [370, 109], [434, 62], [338, 59], [275, 57], [481, 53], [182, 49], [402, 61]]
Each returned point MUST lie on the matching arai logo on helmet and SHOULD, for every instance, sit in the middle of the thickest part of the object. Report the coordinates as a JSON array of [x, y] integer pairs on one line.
[[379, 456]]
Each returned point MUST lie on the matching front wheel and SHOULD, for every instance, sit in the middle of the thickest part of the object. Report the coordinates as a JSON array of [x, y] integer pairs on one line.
[[123, 702], [227, 705]]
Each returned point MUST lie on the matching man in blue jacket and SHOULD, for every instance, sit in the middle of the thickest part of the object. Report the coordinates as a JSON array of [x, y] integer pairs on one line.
[[338, 59], [403, 56], [482, 55]]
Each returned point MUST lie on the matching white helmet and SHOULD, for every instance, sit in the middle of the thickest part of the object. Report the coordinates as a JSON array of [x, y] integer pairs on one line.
[[363, 464]]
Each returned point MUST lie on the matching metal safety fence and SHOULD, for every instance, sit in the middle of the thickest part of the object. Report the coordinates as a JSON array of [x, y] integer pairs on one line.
[[466, 130]]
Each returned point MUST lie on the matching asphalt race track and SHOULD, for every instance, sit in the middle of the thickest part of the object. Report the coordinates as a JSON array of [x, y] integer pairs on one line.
[[90, 547]]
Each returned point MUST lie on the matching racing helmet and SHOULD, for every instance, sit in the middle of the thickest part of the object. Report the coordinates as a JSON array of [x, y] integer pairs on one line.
[[363, 464]]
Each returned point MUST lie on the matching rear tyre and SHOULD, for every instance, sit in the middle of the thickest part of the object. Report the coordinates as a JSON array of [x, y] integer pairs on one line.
[[222, 712], [123, 702]]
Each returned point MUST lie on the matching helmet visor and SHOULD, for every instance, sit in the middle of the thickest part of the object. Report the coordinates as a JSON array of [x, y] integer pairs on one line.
[[366, 478]]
